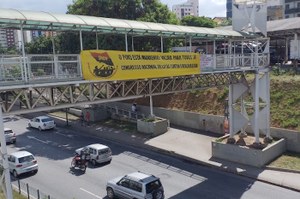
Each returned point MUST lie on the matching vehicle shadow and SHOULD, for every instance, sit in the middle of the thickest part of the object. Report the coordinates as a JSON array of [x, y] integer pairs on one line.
[[76, 171], [10, 119], [98, 165], [22, 176]]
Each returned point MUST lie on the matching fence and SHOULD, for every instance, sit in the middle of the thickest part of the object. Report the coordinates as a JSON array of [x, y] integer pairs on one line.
[[124, 113], [31, 192], [16, 69]]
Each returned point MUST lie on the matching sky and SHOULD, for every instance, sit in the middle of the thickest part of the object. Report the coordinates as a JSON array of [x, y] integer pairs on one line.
[[215, 8]]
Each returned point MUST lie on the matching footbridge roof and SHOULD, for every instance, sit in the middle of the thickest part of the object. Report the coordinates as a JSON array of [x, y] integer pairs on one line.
[[32, 20]]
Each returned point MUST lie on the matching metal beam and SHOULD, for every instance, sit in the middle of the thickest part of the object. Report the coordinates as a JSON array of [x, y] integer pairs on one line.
[[86, 92]]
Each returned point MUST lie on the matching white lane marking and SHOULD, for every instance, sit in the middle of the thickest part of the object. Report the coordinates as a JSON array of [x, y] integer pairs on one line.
[[68, 135], [34, 138], [90, 193]]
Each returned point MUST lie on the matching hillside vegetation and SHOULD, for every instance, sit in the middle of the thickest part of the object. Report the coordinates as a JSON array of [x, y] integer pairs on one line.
[[285, 101]]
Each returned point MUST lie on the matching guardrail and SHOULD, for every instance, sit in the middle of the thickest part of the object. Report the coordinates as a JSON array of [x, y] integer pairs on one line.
[[31, 192], [67, 67], [16, 69], [217, 62]]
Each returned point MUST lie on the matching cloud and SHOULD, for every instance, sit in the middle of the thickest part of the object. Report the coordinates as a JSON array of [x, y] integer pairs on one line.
[[217, 8]]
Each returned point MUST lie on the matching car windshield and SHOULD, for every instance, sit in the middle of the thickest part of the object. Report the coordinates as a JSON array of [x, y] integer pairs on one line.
[[8, 131], [151, 186], [47, 120], [28, 158]]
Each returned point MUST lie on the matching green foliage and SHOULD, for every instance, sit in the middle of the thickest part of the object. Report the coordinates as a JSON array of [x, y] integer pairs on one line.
[[142, 10], [41, 45], [155, 11], [223, 94], [121, 9], [285, 101], [8, 51], [198, 21], [40, 72], [227, 22]]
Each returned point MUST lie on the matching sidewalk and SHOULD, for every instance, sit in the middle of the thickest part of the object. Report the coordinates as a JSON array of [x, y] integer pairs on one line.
[[191, 146]]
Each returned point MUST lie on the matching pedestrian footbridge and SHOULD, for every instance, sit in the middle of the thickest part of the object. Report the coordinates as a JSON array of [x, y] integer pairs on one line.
[[43, 82]]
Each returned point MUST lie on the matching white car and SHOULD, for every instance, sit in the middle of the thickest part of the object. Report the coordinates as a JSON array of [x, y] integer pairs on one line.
[[42, 123], [98, 153], [22, 162]]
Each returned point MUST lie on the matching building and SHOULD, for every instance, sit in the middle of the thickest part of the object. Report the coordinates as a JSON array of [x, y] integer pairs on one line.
[[191, 7], [229, 9], [8, 38], [275, 9], [11, 38], [292, 8], [3, 40]]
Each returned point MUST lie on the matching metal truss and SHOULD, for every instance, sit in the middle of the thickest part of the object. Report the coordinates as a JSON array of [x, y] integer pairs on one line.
[[45, 97]]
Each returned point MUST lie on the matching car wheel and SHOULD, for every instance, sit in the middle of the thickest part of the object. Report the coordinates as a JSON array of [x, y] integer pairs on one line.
[[15, 174], [94, 163], [110, 193], [157, 194], [40, 129]]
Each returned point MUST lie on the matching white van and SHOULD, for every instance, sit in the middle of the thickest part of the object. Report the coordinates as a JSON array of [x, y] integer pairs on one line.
[[99, 153]]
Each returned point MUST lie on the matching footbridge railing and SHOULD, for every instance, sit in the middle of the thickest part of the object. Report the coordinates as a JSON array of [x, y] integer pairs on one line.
[[17, 70]]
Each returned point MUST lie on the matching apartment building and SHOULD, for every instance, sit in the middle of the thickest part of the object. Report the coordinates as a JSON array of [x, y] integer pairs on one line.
[[291, 8], [191, 7]]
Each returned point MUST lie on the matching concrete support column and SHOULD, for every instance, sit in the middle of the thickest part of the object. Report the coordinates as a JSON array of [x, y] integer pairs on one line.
[[230, 110], [243, 129], [268, 102], [151, 106], [6, 173], [256, 109]]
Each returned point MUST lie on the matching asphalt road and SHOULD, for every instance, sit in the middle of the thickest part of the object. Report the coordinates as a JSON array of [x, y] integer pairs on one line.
[[54, 150]]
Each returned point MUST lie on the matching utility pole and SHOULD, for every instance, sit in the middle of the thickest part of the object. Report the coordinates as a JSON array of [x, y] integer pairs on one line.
[[6, 175]]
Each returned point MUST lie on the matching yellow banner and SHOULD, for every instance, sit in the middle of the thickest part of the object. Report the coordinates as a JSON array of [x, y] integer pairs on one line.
[[120, 65]]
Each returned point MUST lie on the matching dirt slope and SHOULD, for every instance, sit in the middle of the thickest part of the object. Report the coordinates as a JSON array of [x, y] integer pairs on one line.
[[285, 101]]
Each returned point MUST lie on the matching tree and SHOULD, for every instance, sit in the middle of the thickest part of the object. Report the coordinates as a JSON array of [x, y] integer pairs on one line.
[[120, 9], [142, 10], [41, 45], [198, 21], [227, 22], [2, 50]]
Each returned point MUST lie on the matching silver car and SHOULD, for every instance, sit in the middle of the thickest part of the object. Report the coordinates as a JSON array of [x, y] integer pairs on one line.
[[10, 136], [136, 185]]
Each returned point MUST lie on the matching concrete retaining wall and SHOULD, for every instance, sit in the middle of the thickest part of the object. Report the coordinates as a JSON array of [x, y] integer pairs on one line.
[[248, 156], [210, 123], [157, 127]]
